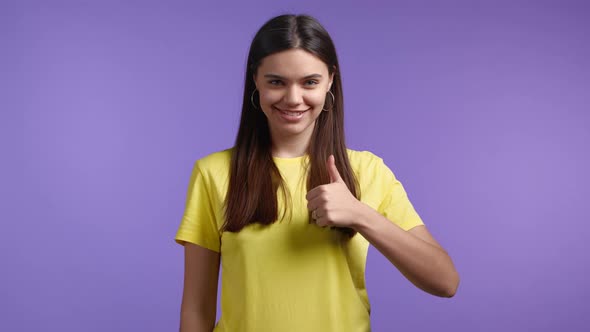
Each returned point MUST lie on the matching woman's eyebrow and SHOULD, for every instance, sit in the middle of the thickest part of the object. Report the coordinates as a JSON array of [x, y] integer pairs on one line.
[[275, 76]]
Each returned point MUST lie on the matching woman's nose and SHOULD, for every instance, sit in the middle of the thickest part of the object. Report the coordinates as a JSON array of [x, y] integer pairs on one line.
[[293, 96]]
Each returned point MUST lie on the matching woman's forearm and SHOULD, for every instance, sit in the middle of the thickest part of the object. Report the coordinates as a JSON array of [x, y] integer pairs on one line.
[[426, 265], [191, 321]]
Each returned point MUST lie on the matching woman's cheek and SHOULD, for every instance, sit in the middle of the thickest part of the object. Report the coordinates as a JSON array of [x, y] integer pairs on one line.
[[264, 97], [317, 99]]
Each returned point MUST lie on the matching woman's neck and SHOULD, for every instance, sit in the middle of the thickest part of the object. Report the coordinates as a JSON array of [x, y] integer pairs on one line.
[[290, 147]]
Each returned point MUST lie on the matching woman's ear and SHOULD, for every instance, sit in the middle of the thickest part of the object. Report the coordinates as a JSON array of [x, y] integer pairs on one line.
[[331, 81]]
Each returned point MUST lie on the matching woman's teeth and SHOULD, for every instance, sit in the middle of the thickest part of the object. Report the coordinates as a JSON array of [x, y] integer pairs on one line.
[[292, 113]]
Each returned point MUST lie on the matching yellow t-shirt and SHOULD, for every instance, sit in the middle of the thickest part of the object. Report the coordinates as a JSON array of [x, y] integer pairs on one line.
[[290, 276]]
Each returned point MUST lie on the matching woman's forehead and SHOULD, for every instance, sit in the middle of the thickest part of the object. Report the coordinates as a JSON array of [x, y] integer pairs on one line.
[[292, 63]]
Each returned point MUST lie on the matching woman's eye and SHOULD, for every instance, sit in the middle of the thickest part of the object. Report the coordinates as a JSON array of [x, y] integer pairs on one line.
[[279, 82]]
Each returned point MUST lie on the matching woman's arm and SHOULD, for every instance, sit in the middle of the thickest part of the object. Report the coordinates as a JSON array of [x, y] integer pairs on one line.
[[415, 253], [199, 297]]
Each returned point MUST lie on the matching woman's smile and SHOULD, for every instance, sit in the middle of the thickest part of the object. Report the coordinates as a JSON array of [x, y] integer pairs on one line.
[[291, 115]]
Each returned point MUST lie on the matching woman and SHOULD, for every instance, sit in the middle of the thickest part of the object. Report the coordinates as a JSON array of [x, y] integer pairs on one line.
[[289, 211]]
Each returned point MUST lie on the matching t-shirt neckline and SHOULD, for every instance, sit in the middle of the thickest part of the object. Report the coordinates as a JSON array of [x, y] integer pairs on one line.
[[289, 159]]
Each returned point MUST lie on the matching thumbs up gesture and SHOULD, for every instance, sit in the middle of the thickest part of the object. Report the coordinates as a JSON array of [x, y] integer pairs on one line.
[[333, 204]]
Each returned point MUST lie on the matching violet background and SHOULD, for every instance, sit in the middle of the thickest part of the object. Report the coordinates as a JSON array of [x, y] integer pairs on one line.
[[479, 107]]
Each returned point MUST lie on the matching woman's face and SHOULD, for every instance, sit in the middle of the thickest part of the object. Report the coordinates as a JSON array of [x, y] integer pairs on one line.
[[292, 86]]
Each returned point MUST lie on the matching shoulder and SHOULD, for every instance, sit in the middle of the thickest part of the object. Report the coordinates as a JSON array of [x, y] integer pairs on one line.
[[369, 167], [363, 160], [216, 158], [216, 163]]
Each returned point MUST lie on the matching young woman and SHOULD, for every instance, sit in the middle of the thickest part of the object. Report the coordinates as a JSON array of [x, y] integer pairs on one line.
[[289, 211]]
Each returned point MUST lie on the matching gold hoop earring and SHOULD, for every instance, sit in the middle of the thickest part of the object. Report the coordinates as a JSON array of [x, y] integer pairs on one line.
[[252, 98], [333, 101]]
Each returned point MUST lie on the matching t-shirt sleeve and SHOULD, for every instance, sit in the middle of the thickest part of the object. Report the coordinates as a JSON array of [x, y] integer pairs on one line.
[[395, 204], [198, 223]]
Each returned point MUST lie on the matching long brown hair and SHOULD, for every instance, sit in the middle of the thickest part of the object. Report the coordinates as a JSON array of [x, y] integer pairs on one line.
[[254, 177]]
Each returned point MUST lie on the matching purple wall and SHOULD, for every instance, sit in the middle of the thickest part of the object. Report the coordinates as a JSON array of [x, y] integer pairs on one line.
[[481, 109]]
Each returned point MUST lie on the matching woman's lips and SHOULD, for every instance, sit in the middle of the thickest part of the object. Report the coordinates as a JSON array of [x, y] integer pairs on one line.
[[291, 111], [291, 115]]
